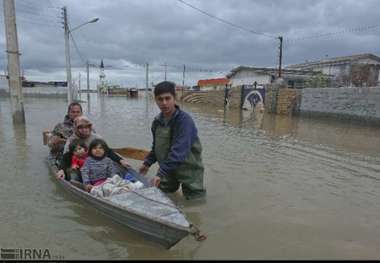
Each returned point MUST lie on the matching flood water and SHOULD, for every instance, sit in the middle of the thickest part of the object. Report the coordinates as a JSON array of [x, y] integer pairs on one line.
[[278, 187]]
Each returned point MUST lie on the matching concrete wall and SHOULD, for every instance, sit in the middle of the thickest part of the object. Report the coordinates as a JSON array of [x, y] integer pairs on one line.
[[212, 87], [349, 103]]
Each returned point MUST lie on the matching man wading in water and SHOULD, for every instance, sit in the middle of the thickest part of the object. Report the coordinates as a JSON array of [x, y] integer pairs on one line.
[[176, 147]]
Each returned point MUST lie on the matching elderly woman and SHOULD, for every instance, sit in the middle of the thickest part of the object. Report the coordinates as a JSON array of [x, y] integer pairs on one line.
[[84, 132]]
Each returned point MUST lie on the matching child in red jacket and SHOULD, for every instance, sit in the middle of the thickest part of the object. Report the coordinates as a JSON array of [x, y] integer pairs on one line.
[[79, 155], [73, 160]]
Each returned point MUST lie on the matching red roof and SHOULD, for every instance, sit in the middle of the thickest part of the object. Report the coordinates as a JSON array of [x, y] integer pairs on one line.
[[208, 82]]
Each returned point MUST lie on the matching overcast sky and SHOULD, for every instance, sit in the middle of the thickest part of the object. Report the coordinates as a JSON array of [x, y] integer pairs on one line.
[[130, 33]]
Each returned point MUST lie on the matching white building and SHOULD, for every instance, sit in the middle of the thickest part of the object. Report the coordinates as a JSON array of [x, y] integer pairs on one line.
[[244, 75]]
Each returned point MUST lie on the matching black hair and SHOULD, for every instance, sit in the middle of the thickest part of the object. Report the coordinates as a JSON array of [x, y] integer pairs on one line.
[[164, 87], [72, 104], [73, 145], [95, 143]]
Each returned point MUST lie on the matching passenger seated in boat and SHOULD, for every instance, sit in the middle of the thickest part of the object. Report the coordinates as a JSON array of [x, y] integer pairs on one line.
[[72, 161], [63, 130], [97, 167], [83, 130]]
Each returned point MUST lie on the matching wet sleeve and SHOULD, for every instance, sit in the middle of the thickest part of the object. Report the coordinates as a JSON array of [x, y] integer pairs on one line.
[[151, 158], [184, 136]]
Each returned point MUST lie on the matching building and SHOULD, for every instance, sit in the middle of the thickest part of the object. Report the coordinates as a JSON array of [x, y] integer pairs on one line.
[[36, 88], [213, 84], [356, 70], [29, 83], [244, 75]]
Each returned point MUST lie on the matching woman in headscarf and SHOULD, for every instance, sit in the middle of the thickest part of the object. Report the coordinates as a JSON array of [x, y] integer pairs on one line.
[[84, 132]]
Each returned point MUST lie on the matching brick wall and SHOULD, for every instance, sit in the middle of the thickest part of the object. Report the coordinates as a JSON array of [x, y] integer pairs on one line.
[[282, 100], [286, 101]]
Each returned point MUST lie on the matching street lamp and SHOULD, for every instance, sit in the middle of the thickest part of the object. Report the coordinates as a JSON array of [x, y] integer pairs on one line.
[[67, 50], [91, 21]]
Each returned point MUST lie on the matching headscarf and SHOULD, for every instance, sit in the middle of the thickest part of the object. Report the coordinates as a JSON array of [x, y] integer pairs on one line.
[[81, 120]]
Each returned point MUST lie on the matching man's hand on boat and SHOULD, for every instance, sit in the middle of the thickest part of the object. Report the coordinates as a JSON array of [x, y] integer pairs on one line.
[[156, 181], [60, 174]]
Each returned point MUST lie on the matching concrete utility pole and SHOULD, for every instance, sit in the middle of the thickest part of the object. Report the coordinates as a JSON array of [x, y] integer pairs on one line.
[[280, 57], [88, 80], [147, 79], [67, 53], [79, 86], [88, 65], [88, 86], [165, 70], [14, 79], [183, 75]]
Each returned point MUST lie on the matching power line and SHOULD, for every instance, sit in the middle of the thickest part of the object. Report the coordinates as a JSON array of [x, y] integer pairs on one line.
[[40, 13], [76, 48], [288, 40], [25, 20], [225, 21], [332, 34]]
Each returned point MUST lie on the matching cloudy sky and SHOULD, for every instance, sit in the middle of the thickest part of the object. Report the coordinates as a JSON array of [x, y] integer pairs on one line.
[[228, 33]]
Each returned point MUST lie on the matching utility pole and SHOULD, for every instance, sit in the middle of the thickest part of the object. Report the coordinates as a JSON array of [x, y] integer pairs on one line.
[[147, 79], [183, 75], [88, 81], [165, 70], [280, 58], [67, 52], [14, 79], [80, 92]]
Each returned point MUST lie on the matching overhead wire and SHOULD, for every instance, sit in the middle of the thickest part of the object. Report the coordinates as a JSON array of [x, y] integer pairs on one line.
[[77, 49], [332, 34], [226, 21], [288, 40]]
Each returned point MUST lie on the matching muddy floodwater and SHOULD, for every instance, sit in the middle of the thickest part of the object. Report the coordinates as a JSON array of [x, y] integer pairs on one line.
[[277, 187]]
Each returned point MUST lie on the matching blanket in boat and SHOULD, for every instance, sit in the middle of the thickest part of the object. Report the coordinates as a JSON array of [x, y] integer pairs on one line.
[[114, 185]]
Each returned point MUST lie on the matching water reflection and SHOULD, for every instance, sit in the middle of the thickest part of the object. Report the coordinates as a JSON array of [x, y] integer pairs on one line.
[[19, 138], [88, 103]]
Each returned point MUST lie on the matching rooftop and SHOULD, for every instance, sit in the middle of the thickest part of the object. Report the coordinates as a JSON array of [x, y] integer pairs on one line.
[[336, 60], [218, 81], [272, 71]]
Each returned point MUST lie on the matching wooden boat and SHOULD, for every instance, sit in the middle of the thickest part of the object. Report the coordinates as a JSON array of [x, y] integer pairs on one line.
[[147, 210]]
